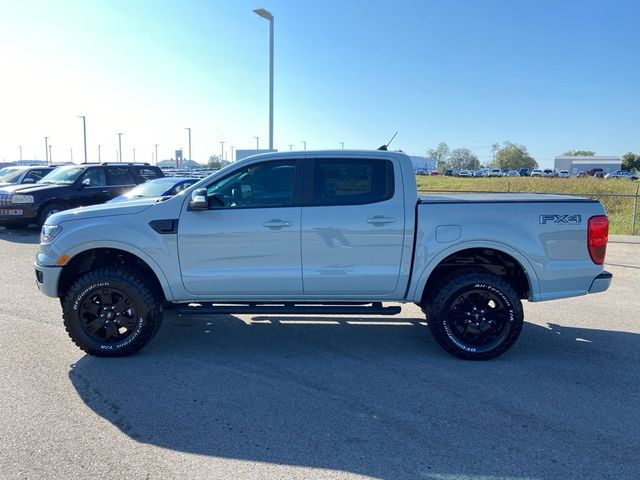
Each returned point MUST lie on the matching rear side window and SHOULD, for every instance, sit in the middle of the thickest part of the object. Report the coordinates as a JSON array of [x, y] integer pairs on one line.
[[120, 176], [150, 173], [352, 181]]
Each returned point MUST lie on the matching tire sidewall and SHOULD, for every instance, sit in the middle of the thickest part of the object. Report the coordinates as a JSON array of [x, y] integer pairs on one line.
[[73, 314]]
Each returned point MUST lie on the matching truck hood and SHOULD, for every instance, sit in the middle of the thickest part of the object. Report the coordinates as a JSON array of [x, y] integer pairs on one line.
[[104, 210]]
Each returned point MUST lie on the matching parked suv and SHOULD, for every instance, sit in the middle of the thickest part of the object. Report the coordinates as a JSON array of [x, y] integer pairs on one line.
[[69, 187], [23, 174]]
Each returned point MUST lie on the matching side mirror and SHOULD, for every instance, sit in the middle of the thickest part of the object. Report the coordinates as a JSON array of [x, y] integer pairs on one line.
[[29, 180], [199, 200], [86, 182]]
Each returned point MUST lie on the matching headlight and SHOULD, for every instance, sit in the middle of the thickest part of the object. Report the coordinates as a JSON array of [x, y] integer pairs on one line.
[[49, 232], [22, 199]]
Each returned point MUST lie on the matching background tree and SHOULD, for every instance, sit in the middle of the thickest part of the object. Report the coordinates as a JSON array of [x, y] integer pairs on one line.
[[440, 154], [463, 159], [512, 156], [579, 153], [631, 161]]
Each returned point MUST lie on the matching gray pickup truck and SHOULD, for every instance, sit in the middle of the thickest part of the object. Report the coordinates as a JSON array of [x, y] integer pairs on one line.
[[328, 232]]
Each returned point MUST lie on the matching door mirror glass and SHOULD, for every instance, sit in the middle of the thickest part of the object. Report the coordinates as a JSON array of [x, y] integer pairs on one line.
[[86, 182], [29, 180], [199, 200]]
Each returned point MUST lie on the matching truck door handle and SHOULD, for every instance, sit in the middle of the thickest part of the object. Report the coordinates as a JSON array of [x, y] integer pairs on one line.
[[380, 220], [276, 223]]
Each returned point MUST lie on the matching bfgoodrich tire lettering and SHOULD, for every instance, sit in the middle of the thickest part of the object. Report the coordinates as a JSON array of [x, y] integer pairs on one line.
[[475, 316], [111, 312]]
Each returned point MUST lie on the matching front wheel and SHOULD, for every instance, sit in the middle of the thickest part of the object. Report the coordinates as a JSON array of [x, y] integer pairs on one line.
[[475, 316], [111, 312]]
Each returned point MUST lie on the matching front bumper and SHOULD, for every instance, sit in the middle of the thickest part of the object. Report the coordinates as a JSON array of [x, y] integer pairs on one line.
[[47, 279], [25, 214], [601, 282]]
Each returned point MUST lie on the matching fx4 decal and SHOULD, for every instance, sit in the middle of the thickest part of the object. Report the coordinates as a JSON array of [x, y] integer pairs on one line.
[[561, 219]]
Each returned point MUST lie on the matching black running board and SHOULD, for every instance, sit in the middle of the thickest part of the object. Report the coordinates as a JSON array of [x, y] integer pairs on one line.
[[337, 308]]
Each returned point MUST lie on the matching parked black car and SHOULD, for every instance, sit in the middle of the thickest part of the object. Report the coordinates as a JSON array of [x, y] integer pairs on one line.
[[69, 187], [524, 172]]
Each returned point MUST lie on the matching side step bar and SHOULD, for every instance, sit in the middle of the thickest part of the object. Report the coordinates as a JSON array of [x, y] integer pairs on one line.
[[337, 308]]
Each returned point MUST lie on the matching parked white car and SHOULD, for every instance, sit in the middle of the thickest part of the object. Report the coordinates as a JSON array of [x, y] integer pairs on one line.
[[548, 172], [465, 173], [563, 174], [494, 172], [512, 173], [536, 173], [622, 174]]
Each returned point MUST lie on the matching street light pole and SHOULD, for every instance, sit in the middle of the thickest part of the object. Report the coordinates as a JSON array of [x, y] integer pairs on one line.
[[71, 152], [189, 128], [99, 154], [222, 142], [342, 143], [268, 16], [290, 146], [257, 143], [156, 145], [232, 147], [46, 150], [20, 147], [134, 155], [50, 156], [120, 146], [304, 142], [84, 130]]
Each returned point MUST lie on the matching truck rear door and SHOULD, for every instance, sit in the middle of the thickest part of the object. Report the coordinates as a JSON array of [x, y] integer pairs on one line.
[[352, 227]]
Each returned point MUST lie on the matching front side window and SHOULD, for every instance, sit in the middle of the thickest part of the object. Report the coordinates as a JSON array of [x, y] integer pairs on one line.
[[352, 181], [267, 184], [96, 177]]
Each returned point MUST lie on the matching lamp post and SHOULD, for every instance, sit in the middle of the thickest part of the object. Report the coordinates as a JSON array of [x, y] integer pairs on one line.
[[222, 142], [290, 146], [232, 147], [156, 145], [268, 16], [99, 154], [257, 143], [189, 129], [71, 154], [120, 146], [84, 130], [342, 144], [20, 147], [50, 156], [46, 150], [304, 142], [134, 155]]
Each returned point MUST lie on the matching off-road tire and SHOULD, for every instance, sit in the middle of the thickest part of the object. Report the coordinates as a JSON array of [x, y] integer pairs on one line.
[[443, 319], [146, 303]]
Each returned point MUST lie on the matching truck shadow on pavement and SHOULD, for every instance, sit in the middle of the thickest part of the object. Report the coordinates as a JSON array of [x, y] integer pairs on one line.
[[376, 399]]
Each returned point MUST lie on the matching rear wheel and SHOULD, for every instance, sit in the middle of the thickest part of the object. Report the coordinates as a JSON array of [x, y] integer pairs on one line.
[[111, 312], [475, 316]]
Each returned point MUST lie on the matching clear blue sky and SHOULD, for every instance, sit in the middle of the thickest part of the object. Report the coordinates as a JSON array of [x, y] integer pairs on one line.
[[552, 75]]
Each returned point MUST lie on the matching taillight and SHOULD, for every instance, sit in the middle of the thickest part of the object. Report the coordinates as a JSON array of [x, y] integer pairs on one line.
[[597, 238]]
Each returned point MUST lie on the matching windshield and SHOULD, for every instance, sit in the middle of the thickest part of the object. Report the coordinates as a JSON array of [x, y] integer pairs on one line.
[[10, 175], [152, 188], [63, 175]]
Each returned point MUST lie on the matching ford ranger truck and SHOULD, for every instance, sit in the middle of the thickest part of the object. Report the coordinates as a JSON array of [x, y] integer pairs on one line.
[[328, 232]]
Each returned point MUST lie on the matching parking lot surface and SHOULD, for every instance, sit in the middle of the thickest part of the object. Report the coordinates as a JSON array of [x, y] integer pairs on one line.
[[252, 397]]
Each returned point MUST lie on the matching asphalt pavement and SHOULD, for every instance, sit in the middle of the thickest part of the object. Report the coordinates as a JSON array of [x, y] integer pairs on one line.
[[267, 397]]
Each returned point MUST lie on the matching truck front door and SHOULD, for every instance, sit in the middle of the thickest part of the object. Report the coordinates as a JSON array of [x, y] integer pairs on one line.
[[247, 244]]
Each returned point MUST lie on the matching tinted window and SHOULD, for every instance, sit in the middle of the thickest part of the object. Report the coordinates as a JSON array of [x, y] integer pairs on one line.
[[96, 177], [267, 184], [120, 176], [150, 173], [352, 181]]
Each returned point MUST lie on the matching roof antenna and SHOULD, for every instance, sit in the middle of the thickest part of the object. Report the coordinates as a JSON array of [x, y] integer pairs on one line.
[[384, 147]]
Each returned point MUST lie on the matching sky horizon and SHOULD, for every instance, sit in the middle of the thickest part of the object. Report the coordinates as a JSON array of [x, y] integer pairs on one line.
[[551, 75]]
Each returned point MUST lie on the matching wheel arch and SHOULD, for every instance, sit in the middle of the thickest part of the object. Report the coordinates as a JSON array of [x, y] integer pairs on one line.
[[499, 256], [110, 254]]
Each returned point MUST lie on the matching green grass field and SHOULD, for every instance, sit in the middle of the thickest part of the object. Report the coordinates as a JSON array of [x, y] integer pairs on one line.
[[619, 209]]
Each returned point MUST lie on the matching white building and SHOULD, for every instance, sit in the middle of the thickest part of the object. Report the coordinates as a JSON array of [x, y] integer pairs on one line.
[[423, 163], [583, 164]]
